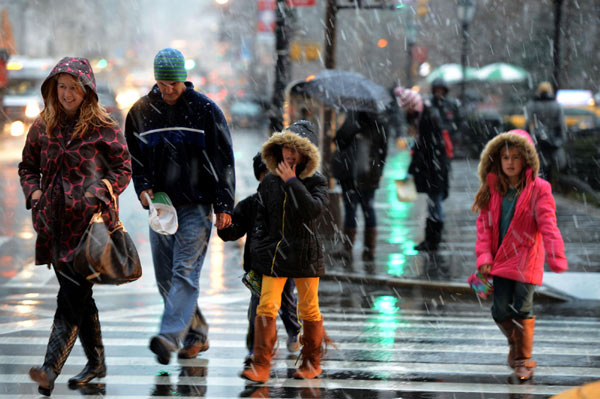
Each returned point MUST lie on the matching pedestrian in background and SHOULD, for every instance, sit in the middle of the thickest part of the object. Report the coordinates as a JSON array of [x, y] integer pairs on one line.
[[429, 164], [286, 245], [181, 145], [70, 148], [448, 112], [358, 165], [243, 223], [516, 226], [545, 121]]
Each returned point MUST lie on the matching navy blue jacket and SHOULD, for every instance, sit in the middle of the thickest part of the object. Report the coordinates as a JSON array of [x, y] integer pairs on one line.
[[183, 149]]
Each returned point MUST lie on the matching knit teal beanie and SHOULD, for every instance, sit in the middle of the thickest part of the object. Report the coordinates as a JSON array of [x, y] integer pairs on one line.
[[169, 64]]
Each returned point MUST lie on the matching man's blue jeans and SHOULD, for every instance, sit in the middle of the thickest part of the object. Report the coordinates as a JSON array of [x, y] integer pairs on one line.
[[178, 261], [434, 206]]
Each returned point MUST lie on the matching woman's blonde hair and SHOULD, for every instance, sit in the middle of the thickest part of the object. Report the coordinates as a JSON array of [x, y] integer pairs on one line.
[[482, 198], [91, 113]]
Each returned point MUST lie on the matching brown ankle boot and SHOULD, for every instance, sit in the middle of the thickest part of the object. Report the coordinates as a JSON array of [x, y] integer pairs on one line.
[[507, 327], [311, 350], [523, 334], [265, 336]]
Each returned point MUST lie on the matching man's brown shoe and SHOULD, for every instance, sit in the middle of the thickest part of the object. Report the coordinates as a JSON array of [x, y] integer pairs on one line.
[[191, 351]]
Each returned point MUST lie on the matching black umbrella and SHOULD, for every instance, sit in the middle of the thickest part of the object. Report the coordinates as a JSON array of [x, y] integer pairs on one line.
[[348, 91]]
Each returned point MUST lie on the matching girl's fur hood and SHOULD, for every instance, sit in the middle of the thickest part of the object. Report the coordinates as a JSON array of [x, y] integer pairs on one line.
[[519, 139], [271, 151]]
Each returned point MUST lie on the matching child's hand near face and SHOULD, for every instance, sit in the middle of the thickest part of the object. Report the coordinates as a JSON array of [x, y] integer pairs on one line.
[[285, 172]]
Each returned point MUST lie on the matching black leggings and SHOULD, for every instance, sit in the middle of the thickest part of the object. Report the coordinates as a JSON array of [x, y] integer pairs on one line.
[[74, 300]]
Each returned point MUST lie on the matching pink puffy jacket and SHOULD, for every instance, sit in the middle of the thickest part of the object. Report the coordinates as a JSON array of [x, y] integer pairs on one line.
[[532, 230]]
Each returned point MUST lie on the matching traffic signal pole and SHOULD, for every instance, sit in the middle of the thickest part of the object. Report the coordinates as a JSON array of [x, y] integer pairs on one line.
[[282, 67]]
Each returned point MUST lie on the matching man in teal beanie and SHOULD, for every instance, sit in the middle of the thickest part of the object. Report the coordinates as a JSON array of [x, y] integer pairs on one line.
[[182, 146]]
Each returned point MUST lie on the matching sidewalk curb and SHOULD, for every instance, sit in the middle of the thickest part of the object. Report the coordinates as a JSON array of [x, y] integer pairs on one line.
[[542, 292]]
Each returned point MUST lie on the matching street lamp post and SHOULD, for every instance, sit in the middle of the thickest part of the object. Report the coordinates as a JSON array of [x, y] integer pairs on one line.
[[410, 34], [466, 9]]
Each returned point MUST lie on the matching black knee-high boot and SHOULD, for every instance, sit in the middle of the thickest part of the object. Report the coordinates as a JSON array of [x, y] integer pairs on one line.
[[62, 339], [433, 236], [90, 336]]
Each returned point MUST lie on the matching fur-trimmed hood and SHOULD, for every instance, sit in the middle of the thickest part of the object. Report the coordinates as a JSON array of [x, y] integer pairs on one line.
[[518, 138], [301, 135]]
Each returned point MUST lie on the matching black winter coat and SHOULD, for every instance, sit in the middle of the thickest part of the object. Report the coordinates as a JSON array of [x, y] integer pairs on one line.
[[285, 242], [361, 152], [242, 223], [430, 165]]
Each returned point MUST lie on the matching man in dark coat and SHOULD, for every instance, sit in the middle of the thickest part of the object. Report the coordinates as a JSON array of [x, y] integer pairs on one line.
[[545, 121], [181, 145], [358, 165], [448, 114]]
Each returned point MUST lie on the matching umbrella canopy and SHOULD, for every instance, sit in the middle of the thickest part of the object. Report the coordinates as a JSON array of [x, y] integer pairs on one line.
[[348, 91], [502, 73], [451, 73]]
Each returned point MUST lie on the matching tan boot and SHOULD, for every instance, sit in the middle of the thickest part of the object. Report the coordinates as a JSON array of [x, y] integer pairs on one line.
[[265, 336], [311, 350], [523, 347], [507, 327]]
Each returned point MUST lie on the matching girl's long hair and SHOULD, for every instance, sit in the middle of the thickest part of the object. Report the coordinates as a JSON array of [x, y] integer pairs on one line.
[[91, 113], [482, 198]]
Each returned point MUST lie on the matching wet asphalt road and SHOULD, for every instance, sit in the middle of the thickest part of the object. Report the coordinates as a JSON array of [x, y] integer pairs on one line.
[[392, 341]]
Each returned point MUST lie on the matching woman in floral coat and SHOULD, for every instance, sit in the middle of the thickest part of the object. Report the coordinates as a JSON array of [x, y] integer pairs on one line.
[[72, 146]]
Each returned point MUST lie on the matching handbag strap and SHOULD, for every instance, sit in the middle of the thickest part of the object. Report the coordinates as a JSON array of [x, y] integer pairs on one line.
[[113, 199]]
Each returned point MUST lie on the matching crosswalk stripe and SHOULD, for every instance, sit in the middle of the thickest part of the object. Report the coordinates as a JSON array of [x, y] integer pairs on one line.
[[375, 346], [483, 325], [329, 365], [373, 332], [322, 383]]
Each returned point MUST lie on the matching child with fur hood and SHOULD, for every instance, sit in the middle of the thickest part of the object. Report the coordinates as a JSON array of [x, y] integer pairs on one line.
[[286, 245], [516, 229]]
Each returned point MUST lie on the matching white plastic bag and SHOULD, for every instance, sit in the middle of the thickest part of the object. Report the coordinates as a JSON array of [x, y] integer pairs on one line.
[[406, 191], [163, 216]]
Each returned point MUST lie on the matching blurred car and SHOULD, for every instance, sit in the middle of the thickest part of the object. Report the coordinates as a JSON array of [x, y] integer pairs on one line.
[[579, 107], [246, 114], [107, 98], [23, 101]]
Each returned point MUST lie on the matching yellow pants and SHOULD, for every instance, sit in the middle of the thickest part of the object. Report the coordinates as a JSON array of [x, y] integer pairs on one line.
[[308, 297]]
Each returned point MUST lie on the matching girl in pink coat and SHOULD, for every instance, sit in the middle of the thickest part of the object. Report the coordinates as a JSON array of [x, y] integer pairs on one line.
[[516, 230]]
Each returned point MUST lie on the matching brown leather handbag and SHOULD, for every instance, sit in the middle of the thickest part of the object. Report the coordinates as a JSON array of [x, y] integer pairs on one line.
[[106, 256]]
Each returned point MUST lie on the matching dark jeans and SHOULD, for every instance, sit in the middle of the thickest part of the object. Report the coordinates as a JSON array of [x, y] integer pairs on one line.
[[287, 312], [434, 206], [512, 299], [352, 199]]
